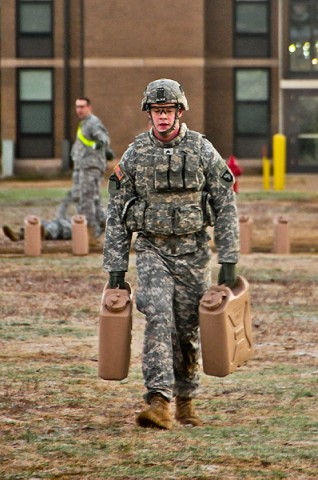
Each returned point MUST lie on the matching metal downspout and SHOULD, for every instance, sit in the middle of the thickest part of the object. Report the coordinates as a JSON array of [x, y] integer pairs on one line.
[[66, 90], [82, 52]]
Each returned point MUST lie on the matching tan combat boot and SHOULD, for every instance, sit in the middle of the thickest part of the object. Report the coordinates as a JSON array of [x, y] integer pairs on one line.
[[14, 236], [185, 412], [157, 415]]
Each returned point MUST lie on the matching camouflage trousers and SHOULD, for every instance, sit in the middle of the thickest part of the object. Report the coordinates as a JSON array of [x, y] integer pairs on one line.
[[90, 203], [169, 291], [57, 229], [72, 196]]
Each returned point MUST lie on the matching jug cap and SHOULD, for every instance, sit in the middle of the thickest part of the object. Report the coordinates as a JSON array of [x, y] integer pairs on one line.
[[281, 219], [213, 298], [79, 219], [32, 220], [117, 301]]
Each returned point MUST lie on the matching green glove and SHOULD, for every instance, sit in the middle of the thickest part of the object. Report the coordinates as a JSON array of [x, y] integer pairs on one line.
[[117, 280], [227, 274], [98, 145], [110, 155]]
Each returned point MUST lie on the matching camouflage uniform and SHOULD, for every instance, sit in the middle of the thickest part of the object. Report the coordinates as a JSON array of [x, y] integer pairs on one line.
[[60, 228], [169, 194], [91, 164], [57, 229], [72, 196]]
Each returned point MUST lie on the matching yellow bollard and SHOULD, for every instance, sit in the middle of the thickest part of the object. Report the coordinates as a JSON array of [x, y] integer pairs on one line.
[[279, 161], [266, 173]]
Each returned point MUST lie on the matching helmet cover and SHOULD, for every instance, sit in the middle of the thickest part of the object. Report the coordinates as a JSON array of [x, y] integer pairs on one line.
[[164, 91]]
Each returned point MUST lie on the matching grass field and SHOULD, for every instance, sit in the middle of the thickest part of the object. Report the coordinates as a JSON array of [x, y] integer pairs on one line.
[[58, 420]]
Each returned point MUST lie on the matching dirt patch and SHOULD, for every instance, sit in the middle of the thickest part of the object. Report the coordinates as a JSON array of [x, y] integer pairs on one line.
[[60, 421]]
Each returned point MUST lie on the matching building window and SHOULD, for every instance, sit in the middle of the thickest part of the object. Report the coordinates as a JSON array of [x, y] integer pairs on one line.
[[252, 111], [251, 28], [303, 36], [34, 28], [35, 113]]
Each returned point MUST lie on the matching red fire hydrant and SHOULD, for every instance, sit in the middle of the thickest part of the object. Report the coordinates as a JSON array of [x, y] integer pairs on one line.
[[236, 170]]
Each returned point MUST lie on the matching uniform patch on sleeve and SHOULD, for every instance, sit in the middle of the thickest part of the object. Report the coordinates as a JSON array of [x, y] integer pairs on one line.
[[119, 173], [226, 175]]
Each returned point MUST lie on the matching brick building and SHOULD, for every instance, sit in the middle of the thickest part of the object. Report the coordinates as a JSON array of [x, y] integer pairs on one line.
[[249, 69]]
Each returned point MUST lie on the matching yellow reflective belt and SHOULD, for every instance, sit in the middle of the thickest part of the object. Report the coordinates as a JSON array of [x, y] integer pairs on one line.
[[88, 143]]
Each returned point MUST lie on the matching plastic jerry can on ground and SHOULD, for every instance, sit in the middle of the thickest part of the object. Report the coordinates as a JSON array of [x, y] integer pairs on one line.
[[246, 224], [225, 328], [281, 236], [115, 324], [32, 236], [79, 235]]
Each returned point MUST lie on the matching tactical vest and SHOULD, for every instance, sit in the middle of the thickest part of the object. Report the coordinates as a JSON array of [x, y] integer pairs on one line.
[[169, 183]]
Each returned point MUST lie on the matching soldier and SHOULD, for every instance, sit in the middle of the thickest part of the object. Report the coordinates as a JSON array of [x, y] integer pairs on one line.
[[73, 196], [55, 229], [169, 186], [89, 157], [60, 227]]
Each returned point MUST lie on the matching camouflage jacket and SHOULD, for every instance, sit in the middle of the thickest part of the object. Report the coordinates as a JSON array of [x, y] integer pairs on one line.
[[85, 156], [141, 199]]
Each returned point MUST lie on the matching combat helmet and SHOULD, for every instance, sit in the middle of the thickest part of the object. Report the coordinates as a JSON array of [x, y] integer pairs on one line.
[[164, 90]]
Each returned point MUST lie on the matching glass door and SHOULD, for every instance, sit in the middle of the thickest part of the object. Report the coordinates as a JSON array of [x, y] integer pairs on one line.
[[302, 130]]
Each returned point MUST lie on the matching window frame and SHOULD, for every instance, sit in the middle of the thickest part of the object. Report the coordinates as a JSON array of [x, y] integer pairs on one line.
[[311, 73], [261, 137], [251, 36], [33, 137], [34, 37]]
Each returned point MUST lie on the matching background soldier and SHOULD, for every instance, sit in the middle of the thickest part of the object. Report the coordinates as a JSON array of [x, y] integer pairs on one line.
[[55, 229], [169, 186], [60, 227], [89, 157], [73, 197]]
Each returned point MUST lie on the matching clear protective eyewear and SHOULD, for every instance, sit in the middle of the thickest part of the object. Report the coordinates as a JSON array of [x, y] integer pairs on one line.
[[166, 110]]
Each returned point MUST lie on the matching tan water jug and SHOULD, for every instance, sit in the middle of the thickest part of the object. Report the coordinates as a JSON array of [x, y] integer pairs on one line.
[[246, 224], [281, 236], [115, 324], [225, 328], [79, 235], [32, 236]]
